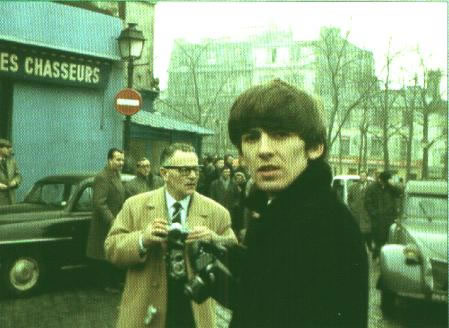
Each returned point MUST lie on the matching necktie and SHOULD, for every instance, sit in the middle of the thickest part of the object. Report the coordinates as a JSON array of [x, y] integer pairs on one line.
[[176, 217]]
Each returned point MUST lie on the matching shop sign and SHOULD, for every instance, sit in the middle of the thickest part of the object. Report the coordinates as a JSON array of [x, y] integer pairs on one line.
[[52, 67]]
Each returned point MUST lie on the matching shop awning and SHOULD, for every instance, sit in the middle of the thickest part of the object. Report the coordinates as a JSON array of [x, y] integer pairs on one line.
[[157, 120]]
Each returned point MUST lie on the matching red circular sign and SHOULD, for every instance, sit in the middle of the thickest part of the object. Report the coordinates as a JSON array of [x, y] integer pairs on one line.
[[128, 101]]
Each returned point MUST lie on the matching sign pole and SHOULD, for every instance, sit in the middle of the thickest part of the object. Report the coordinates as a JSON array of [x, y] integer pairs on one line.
[[127, 122]]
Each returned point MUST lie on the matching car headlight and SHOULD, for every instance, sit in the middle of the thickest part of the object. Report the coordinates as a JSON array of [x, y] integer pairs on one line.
[[412, 254]]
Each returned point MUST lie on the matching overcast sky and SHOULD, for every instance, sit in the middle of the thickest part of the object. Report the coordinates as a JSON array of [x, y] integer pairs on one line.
[[371, 25]]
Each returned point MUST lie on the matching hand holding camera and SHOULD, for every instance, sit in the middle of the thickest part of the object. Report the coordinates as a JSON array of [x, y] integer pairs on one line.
[[155, 232], [200, 233]]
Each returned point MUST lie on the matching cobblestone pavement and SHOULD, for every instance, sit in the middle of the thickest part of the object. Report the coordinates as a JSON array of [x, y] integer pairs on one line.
[[74, 300]]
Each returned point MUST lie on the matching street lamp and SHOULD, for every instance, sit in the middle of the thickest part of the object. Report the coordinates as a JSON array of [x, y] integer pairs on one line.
[[130, 43]]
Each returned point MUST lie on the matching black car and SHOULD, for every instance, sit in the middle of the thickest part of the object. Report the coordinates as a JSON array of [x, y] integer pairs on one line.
[[46, 232]]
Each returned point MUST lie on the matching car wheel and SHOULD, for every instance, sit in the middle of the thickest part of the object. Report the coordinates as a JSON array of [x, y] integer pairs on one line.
[[387, 302], [23, 275]]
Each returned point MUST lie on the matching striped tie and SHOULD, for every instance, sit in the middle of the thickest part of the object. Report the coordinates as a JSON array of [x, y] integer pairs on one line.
[[176, 217]]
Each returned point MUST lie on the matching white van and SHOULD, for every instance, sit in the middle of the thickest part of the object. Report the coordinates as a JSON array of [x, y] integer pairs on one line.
[[342, 183]]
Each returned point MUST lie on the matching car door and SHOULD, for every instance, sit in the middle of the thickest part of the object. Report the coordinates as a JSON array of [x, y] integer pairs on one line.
[[72, 228]]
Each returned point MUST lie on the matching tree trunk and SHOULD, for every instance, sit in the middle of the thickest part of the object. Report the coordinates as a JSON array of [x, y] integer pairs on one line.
[[425, 150], [408, 165]]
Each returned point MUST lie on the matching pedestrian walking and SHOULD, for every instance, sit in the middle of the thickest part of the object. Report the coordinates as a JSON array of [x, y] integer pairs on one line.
[[108, 197], [144, 180], [382, 205], [10, 177], [138, 242], [356, 202], [305, 263]]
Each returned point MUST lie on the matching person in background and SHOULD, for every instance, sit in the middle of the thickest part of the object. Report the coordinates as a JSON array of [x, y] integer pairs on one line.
[[238, 210], [207, 175], [138, 242], [304, 264], [228, 159], [224, 190], [219, 164], [108, 197], [382, 205], [356, 202], [144, 180], [10, 177]]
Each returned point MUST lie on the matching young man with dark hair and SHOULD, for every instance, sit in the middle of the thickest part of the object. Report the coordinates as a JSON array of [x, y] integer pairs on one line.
[[305, 264], [138, 241]]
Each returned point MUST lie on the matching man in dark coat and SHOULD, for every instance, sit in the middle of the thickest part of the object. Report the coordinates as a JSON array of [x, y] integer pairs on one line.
[[10, 177], [356, 202], [305, 264], [382, 205], [144, 180], [224, 190], [108, 197]]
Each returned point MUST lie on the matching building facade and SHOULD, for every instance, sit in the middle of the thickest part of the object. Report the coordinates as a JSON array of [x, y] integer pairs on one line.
[[206, 77], [60, 69]]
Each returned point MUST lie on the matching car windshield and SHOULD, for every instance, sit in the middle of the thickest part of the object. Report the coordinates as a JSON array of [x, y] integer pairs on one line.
[[56, 194], [430, 207]]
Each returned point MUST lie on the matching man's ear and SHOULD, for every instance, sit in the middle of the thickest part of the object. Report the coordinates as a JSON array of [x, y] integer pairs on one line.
[[315, 152], [163, 173]]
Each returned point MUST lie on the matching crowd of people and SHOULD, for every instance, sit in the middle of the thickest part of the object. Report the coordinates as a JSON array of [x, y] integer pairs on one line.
[[296, 253]]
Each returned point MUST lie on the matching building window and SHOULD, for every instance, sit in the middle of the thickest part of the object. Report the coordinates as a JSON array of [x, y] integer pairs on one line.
[[345, 144], [376, 147]]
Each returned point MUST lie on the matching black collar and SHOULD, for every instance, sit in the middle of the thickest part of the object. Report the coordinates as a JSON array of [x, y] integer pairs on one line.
[[315, 180]]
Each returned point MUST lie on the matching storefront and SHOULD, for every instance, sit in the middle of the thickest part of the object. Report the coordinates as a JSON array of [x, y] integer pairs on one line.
[[59, 71], [152, 132]]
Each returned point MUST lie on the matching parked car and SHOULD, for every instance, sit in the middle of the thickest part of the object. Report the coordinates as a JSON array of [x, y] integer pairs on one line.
[[414, 262], [342, 183], [45, 232]]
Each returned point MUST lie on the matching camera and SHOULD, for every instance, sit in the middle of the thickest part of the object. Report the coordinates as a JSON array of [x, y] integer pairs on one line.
[[175, 256], [208, 270]]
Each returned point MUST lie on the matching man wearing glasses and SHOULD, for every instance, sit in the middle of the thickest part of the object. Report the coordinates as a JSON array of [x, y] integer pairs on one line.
[[144, 180], [137, 240], [10, 177]]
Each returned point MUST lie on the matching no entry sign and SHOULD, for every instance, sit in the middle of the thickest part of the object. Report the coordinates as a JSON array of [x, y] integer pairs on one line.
[[128, 101]]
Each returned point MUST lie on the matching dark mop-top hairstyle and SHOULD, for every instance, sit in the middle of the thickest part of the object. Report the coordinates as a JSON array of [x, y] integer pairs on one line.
[[274, 106]]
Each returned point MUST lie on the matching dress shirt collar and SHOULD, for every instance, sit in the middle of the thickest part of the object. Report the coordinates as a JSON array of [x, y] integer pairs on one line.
[[170, 201]]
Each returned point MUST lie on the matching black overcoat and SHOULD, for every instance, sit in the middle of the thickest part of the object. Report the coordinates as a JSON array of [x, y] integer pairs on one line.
[[305, 263]]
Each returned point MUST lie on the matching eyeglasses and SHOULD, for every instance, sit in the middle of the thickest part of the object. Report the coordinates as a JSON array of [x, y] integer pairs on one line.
[[144, 166], [185, 170]]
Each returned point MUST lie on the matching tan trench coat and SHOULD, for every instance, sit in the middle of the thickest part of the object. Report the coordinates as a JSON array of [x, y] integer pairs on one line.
[[146, 277]]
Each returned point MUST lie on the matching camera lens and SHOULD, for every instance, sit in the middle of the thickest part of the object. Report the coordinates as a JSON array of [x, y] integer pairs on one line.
[[196, 289]]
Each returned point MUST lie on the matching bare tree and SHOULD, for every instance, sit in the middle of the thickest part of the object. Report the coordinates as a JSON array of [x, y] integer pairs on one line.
[[410, 99], [344, 69], [199, 90], [387, 100], [429, 102]]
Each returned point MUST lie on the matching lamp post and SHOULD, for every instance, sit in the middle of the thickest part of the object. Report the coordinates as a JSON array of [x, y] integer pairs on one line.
[[130, 42]]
